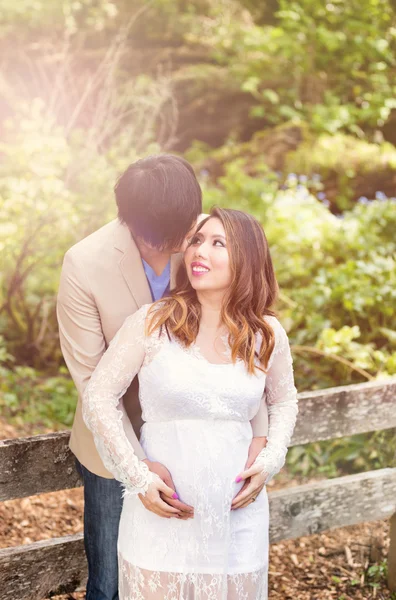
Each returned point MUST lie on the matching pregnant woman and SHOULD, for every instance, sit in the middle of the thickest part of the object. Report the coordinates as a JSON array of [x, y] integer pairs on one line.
[[206, 357]]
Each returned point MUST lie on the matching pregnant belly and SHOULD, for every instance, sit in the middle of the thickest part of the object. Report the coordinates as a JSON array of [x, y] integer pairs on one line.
[[202, 456]]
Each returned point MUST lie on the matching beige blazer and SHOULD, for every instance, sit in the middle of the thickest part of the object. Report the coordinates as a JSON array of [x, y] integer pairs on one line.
[[103, 282]]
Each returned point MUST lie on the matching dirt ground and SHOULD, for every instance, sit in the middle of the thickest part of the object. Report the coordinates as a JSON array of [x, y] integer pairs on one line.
[[342, 564]]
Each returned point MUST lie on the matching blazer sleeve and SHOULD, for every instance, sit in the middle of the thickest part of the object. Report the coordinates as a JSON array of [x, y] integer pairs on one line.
[[80, 330]]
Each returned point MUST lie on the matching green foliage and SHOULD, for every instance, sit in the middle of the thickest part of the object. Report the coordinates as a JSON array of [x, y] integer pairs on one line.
[[27, 396], [376, 575], [345, 80], [353, 454], [65, 15], [331, 65], [377, 572], [344, 163]]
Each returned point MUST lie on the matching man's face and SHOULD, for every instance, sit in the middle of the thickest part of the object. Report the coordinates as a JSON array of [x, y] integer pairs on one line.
[[146, 248]]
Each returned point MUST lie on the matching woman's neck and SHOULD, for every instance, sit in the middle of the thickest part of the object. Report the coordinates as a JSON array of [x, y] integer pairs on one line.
[[210, 310]]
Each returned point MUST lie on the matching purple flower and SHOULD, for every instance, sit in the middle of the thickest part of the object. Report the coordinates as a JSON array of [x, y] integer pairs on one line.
[[363, 200], [321, 196], [380, 196]]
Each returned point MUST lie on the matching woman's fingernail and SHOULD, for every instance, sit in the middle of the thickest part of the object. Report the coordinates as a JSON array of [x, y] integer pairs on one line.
[[238, 479], [175, 496]]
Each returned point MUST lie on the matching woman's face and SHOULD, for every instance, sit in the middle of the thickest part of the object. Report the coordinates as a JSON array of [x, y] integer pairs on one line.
[[207, 259]]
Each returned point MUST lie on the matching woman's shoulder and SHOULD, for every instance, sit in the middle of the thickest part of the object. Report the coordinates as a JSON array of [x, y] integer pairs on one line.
[[137, 326], [139, 316], [145, 311], [271, 319], [136, 322], [145, 320], [281, 338], [276, 325]]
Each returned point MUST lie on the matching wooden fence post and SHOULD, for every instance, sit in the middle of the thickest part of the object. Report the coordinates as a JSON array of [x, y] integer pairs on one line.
[[392, 555]]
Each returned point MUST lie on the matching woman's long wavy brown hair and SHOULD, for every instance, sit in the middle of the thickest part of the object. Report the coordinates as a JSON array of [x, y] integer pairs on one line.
[[253, 290]]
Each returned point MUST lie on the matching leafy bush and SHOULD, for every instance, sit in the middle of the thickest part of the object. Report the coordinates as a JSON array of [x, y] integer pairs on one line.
[[352, 454], [331, 65], [349, 168], [27, 396]]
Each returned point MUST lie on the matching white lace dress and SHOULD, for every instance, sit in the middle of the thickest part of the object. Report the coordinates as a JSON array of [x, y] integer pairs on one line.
[[197, 423]]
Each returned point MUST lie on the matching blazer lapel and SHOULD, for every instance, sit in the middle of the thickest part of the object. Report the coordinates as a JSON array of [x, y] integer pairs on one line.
[[131, 265]]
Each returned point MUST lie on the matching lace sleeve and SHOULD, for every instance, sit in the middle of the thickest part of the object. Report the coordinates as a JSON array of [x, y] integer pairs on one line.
[[281, 396], [109, 382]]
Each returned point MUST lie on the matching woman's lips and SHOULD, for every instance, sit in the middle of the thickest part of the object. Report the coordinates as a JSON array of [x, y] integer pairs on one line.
[[198, 269]]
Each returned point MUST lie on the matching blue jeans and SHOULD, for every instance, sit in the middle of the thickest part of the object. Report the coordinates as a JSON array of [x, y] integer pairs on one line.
[[102, 511]]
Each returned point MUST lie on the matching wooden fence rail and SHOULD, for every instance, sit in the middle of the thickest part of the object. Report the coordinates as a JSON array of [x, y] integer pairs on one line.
[[44, 463]]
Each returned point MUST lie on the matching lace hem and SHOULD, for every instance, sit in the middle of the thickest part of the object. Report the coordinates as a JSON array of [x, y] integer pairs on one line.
[[140, 584]]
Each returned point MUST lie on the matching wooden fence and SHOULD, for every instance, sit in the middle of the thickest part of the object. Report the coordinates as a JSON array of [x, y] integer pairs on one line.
[[44, 463]]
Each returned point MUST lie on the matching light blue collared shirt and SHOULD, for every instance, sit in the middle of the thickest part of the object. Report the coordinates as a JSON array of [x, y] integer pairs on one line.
[[159, 284]]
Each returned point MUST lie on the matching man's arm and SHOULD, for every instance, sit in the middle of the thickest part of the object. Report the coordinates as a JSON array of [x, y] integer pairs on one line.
[[259, 422], [80, 331], [259, 425]]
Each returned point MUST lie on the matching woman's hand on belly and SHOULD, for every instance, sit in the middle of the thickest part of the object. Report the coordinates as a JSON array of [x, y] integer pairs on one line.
[[254, 483], [183, 511], [254, 478]]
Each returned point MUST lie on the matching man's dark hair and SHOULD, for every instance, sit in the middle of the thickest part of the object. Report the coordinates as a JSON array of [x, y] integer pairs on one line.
[[159, 199]]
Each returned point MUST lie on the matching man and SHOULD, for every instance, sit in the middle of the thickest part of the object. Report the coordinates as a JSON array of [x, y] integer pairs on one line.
[[105, 277]]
